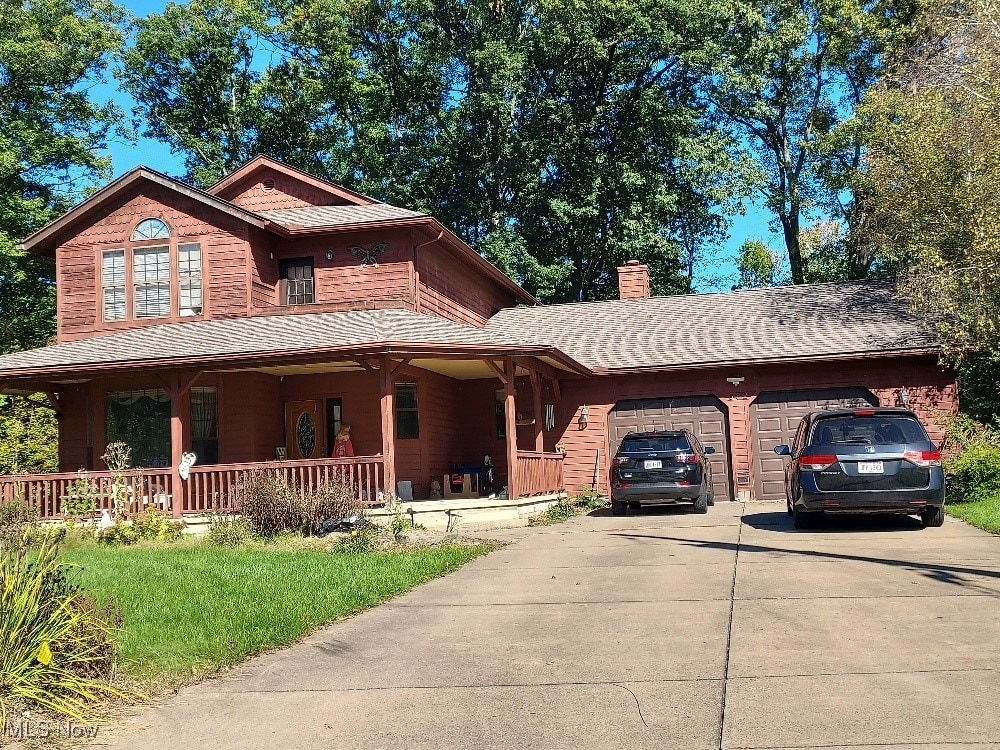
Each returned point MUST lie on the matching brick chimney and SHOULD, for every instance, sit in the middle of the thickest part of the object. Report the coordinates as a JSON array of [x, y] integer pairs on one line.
[[633, 280]]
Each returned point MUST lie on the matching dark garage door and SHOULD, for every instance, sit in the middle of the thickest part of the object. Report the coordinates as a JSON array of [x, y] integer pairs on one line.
[[703, 415], [774, 417]]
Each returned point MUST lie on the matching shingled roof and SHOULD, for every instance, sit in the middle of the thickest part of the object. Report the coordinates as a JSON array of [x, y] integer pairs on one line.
[[264, 338], [814, 321], [331, 216]]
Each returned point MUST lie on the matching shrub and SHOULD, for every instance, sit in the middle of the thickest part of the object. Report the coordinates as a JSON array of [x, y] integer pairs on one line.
[[17, 519], [962, 432], [365, 539], [228, 530], [119, 534], [58, 645], [975, 474], [590, 498], [81, 498], [155, 524], [271, 505]]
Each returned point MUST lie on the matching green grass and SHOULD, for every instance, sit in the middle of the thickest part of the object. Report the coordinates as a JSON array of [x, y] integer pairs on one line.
[[190, 609], [984, 513]]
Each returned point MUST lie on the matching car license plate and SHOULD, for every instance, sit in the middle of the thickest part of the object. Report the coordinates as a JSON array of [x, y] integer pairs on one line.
[[652, 464], [870, 467]]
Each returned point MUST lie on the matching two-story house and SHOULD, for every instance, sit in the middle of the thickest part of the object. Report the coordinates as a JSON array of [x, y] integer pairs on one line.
[[248, 322]]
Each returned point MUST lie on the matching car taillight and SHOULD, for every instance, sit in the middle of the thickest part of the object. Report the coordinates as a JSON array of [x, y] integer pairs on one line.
[[621, 461], [923, 458], [816, 463], [864, 412], [686, 458]]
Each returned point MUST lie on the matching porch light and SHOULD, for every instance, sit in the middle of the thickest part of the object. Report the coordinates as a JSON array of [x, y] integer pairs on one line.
[[329, 254]]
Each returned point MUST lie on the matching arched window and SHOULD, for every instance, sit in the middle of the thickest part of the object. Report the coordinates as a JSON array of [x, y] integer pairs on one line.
[[150, 229]]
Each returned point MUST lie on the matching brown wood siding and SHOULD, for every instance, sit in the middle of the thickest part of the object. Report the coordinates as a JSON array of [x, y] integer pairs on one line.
[[224, 247], [343, 280], [73, 429], [251, 422], [450, 289], [933, 394], [288, 192], [263, 269]]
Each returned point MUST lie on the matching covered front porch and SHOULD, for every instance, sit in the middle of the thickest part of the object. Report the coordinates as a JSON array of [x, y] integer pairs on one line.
[[419, 418]]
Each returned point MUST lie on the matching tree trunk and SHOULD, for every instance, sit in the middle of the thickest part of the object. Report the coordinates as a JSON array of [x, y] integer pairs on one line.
[[790, 228]]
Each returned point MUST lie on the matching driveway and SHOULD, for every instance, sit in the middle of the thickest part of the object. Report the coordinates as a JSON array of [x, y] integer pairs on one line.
[[660, 630]]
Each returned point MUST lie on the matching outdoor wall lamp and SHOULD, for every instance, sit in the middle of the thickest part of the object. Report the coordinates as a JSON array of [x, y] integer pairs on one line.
[[736, 380], [329, 254]]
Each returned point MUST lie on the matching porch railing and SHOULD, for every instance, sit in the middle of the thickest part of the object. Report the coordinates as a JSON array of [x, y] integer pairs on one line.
[[538, 473], [48, 493], [210, 487]]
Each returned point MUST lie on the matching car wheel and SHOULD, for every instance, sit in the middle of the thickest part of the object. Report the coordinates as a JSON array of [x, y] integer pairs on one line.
[[803, 519], [701, 502], [619, 507], [932, 517]]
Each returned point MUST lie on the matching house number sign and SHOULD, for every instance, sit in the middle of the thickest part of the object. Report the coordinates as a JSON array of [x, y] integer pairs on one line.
[[369, 256]]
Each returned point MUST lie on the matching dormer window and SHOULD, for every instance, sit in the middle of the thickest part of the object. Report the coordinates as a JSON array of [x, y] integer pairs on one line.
[[151, 277]]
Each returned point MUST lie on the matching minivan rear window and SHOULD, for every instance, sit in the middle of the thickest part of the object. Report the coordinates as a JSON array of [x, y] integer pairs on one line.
[[876, 430], [655, 444]]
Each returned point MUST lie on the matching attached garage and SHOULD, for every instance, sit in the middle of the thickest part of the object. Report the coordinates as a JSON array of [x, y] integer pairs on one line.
[[704, 416], [774, 418]]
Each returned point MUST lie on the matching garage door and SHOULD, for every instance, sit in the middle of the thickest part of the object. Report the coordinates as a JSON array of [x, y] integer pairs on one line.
[[703, 415], [774, 418]]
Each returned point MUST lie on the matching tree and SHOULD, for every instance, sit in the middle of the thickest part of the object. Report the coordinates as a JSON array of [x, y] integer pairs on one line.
[[50, 145], [555, 137], [758, 265], [787, 72], [933, 167]]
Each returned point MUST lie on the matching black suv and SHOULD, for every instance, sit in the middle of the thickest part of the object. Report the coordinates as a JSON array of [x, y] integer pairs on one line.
[[863, 461], [661, 467]]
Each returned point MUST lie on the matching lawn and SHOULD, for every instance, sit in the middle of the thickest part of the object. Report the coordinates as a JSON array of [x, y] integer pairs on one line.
[[984, 513], [190, 609]]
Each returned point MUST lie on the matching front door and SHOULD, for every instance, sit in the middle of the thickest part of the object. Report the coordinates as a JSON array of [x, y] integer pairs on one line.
[[305, 429]]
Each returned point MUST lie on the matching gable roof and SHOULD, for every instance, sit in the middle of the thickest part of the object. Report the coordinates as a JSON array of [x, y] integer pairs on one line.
[[790, 323], [262, 162], [43, 242], [267, 339]]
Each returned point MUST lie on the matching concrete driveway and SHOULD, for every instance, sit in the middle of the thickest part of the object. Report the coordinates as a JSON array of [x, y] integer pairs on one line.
[[661, 630]]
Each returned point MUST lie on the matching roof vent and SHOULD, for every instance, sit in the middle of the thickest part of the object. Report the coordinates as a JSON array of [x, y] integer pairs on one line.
[[268, 184]]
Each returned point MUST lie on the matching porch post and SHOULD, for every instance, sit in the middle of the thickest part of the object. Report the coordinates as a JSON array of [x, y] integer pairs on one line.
[[388, 408], [510, 419], [177, 485], [536, 393]]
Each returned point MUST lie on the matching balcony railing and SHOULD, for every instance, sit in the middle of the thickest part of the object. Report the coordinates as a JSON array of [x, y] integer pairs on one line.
[[538, 473], [49, 493]]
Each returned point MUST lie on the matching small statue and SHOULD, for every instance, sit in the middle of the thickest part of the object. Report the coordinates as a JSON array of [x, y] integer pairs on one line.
[[342, 445], [435, 490]]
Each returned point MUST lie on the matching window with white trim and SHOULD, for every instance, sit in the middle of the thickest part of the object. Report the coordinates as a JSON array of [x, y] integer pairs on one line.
[[189, 260], [150, 229], [151, 276], [113, 284]]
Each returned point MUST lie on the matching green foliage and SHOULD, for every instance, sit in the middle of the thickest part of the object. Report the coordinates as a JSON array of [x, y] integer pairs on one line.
[[119, 534], [59, 647], [18, 521], [399, 524], [81, 498], [272, 506], [28, 436], [983, 513], [932, 139], [560, 139], [156, 525], [784, 75], [979, 387], [358, 541], [590, 498], [586, 500], [229, 530], [975, 475], [757, 264], [962, 432]]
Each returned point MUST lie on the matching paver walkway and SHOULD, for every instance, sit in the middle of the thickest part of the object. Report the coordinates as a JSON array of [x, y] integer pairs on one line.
[[660, 630]]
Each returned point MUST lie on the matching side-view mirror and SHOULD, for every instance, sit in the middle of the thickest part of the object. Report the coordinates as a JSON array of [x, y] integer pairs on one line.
[[782, 450], [709, 450]]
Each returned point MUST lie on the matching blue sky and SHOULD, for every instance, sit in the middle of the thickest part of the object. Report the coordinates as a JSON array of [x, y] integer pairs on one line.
[[753, 225]]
